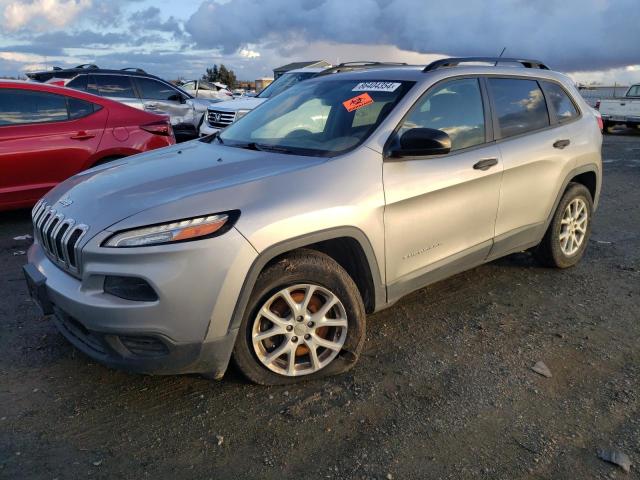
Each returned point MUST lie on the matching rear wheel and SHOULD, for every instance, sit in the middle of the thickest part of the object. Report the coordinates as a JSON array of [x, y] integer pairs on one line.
[[568, 234], [305, 320]]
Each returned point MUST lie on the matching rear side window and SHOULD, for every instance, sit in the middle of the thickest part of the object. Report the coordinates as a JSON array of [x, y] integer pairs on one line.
[[118, 86], [454, 107], [79, 108], [78, 83], [563, 107], [153, 90], [23, 106], [520, 105]]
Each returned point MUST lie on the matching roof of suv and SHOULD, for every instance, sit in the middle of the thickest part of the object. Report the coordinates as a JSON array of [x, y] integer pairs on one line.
[[418, 73], [44, 75]]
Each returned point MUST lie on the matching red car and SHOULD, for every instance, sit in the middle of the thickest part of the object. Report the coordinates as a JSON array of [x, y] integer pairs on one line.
[[49, 133]]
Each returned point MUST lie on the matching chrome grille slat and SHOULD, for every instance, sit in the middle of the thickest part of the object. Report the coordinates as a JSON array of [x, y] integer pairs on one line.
[[48, 224], [220, 118]]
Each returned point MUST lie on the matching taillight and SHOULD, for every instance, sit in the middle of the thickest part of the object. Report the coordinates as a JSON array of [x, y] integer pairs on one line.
[[600, 122], [158, 128]]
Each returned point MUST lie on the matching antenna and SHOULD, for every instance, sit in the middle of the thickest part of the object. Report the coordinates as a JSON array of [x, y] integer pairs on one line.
[[499, 56]]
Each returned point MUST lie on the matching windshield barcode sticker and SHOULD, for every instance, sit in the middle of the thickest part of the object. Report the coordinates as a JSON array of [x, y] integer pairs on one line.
[[376, 87]]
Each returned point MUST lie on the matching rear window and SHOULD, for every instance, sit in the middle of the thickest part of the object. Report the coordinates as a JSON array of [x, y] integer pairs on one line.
[[116, 86], [24, 106], [634, 91], [520, 105], [563, 107]]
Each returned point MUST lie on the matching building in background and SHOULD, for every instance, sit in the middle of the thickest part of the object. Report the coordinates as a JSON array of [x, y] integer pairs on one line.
[[294, 66], [262, 83]]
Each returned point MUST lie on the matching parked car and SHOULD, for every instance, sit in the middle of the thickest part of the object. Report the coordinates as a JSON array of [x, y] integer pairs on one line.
[[622, 111], [136, 88], [209, 90], [224, 113], [49, 133], [271, 241]]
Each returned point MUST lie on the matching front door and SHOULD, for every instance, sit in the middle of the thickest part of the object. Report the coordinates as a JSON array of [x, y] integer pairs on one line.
[[162, 98], [440, 211]]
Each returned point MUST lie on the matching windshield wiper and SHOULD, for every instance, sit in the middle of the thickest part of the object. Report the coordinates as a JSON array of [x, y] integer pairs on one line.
[[260, 147], [212, 137]]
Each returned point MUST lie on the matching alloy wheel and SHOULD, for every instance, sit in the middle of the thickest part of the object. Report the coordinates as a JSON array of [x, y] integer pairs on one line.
[[299, 330]]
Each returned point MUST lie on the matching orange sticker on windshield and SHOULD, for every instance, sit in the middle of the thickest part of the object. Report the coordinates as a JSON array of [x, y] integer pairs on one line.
[[358, 102]]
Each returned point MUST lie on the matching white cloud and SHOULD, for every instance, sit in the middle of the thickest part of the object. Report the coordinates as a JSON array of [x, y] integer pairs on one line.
[[246, 53], [42, 14]]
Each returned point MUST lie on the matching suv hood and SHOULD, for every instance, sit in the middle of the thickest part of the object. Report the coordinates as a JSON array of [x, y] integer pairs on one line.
[[192, 176], [200, 104], [235, 105]]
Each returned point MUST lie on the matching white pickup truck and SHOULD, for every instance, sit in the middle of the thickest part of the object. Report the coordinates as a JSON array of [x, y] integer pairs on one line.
[[625, 110]]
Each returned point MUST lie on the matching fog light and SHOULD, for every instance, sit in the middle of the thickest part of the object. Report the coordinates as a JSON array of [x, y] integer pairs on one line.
[[130, 288]]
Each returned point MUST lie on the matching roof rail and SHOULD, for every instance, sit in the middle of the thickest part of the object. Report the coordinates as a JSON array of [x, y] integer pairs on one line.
[[133, 69], [349, 66], [89, 66], [453, 62]]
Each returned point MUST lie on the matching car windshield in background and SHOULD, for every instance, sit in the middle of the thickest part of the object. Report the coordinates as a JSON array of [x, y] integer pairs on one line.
[[283, 82], [321, 118]]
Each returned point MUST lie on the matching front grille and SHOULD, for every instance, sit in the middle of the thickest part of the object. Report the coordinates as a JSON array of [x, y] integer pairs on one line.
[[59, 236], [220, 118]]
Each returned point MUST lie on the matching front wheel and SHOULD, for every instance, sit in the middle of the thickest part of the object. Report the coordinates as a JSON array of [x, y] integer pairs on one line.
[[305, 319], [568, 234]]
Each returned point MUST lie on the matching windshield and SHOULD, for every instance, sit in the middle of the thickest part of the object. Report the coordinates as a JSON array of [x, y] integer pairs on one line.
[[283, 82], [317, 117]]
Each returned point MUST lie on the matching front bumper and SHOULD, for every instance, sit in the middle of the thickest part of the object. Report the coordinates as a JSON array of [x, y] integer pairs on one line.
[[186, 330], [206, 129]]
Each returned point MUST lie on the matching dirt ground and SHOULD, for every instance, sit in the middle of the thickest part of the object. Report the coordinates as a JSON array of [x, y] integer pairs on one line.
[[444, 389]]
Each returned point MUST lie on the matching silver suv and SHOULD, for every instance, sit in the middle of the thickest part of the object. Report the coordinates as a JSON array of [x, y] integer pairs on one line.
[[270, 241]]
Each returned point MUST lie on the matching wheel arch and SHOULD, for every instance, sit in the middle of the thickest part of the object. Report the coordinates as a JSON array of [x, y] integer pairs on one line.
[[588, 175], [348, 246]]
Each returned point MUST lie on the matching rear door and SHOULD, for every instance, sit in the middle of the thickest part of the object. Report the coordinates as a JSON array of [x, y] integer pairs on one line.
[[44, 139], [538, 151], [159, 97], [440, 210]]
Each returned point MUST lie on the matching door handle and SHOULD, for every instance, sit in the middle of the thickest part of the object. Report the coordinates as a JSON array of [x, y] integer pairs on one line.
[[561, 144], [82, 136], [485, 164]]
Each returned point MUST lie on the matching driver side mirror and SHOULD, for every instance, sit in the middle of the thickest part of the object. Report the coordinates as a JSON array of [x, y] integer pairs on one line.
[[176, 97], [418, 142]]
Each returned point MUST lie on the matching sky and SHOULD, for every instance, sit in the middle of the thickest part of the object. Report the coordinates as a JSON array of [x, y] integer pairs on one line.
[[592, 40]]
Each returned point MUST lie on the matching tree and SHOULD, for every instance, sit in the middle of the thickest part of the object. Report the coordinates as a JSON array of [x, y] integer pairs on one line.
[[212, 74], [221, 74]]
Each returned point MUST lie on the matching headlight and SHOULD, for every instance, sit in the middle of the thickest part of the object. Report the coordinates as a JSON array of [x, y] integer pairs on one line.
[[178, 231], [241, 113]]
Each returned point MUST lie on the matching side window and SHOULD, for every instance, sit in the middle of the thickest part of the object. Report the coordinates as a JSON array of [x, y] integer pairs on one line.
[[454, 107], [153, 90], [78, 83], [634, 91], [79, 108], [564, 108], [189, 86], [520, 105], [118, 86], [24, 106]]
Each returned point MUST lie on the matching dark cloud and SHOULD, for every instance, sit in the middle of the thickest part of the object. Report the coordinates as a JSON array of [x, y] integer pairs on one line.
[[81, 39], [150, 20], [569, 35]]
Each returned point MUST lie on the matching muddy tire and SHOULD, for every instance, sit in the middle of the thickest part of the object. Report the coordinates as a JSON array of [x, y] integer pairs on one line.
[[305, 320], [568, 234]]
